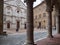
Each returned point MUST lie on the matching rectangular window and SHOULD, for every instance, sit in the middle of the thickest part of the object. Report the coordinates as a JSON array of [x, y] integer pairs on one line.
[[35, 17], [44, 14], [40, 16]]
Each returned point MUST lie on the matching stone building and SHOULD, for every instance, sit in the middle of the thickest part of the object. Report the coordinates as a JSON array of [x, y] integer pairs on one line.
[[41, 16], [14, 14], [51, 39]]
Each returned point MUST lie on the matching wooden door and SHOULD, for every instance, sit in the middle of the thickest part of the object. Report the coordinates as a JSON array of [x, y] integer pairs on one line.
[[18, 24], [8, 25]]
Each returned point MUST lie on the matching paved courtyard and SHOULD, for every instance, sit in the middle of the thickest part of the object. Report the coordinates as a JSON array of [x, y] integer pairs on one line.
[[48, 41], [20, 38]]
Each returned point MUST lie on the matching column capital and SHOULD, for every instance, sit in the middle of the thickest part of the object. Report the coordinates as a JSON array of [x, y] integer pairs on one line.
[[29, 1], [49, 9], [49, 6]]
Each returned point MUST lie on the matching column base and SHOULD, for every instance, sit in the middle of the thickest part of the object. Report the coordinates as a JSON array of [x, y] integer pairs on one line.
[[3, 33], [58, 32], [50, 36], [30, 44]]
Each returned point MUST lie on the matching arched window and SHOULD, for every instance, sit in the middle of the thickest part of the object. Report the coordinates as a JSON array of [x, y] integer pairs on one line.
[[44, 14], [8, 10]]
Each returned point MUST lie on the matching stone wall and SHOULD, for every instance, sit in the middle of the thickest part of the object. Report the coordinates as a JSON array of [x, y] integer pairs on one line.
[[40, 15]]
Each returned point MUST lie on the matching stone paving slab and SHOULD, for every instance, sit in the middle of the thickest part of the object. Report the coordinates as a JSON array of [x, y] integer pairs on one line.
[[23, 31], [13, 31], [20, 38], [10, 40]]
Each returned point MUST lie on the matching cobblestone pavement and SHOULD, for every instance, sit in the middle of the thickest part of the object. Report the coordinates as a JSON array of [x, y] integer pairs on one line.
[[20, 39]]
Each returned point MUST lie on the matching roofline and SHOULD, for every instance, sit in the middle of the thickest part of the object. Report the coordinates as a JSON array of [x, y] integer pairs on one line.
[[23, 4], [12, 5], [39, 4]]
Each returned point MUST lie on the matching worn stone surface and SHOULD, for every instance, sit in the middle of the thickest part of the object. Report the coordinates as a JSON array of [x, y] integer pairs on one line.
[[1, 16], [50, 41], [30, 28], [20, 39]]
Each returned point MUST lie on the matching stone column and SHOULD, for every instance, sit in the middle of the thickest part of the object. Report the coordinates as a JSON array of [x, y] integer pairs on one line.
[[49, 11], [30, 28], [57, 11], [50, 24], [58, 24], [1, 16]]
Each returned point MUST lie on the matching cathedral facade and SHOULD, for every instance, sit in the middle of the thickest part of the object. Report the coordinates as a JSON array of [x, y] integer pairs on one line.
[[14, 15]]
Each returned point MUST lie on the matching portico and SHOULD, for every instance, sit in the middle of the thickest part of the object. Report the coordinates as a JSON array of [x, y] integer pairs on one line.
[[30, 25], [49, 9]]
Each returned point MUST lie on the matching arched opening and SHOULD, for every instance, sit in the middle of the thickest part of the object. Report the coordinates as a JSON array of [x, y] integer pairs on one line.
[[25, 26], [17, 26], [39, 25], [8, 25]]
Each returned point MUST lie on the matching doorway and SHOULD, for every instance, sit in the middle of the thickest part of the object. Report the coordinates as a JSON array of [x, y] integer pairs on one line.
[[8, 25], [18, 24], [39, 26], [25, 26]]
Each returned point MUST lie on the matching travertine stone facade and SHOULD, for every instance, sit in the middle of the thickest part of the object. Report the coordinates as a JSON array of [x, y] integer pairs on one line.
[[14, 15], [41, 16]]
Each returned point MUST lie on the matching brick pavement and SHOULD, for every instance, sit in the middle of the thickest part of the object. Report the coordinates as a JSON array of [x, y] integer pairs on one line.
[[50, 41]]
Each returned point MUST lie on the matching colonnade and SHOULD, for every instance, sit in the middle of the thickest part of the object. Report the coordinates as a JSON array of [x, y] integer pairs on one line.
[[30, 25], [1, 16], [30, 28]]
